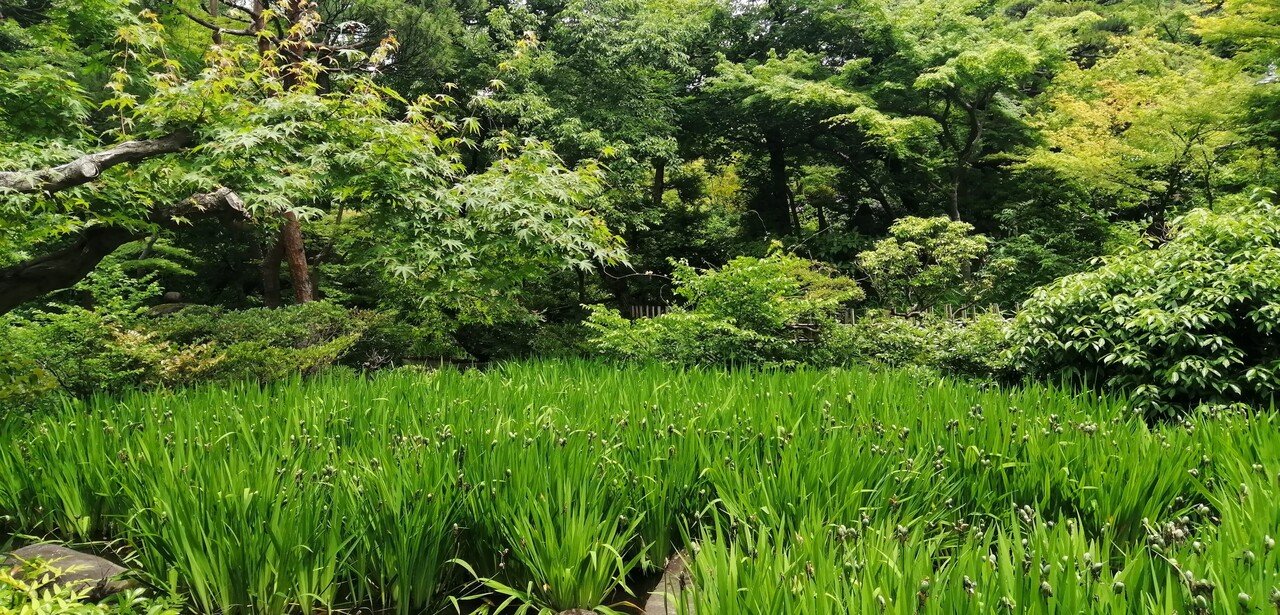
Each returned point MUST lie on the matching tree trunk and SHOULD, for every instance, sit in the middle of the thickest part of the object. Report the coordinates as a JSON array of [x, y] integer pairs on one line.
[[289, 246], [295, 255], [259, 26], [775, 208], [271, 259], [792, 211], [213, 13], [659, 181], [953, 198]]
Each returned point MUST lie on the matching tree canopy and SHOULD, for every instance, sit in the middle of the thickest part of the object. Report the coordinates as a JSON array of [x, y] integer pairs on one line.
[[477, 172]]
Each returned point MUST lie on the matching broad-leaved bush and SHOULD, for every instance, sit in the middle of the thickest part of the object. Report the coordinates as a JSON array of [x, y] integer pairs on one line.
[[976, 347], [925, 262], [1192, 321], [752, 310]]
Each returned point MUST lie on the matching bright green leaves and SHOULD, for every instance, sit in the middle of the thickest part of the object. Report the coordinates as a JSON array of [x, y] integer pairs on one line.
[[522, 215], [901, 136], [975, 72], [289, 132], [925, 262], [35, 97], [1151, 125], [741, 313], [1187, 323], [795, 94], [767, 294], [1248, 26]]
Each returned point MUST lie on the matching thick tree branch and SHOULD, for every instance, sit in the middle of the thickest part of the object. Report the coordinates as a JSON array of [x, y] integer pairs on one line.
[[211, 25], [63, 268], [88, 167]]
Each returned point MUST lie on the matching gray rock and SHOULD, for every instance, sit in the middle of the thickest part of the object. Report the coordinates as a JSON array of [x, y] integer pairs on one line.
[[167, 308], [666, 597], [82, 572]]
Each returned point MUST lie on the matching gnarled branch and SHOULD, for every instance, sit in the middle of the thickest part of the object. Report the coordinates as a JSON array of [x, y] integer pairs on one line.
[[212, 25], [63, 268], [86, 168]]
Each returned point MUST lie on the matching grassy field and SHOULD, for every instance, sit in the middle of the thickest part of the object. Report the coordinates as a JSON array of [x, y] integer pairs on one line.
[[548, 485]]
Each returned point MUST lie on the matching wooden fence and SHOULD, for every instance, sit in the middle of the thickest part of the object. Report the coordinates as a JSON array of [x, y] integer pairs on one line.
[[949, 312], [646, 311], [846, 315]]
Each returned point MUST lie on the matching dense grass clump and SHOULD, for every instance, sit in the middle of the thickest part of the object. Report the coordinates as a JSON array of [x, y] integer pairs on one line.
[[558, 485]]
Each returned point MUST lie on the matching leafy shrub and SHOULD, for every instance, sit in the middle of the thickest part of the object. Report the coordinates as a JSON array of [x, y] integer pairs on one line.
[[266, 344], [782, 309], [81, 350], [741, 313], [766, 294], [21, 379], [386, 340], [113, 348], [27, 590], [925, 262], [1048, 237], [560, 340], [1192, 321], [975, 346], [682, 337]]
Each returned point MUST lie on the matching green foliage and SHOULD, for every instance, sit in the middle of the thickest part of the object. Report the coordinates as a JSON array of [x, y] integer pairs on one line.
[[679, 337], [1191, 321], [1152, 126], [79, 351], [155, 257], [27, 590], [1250, 30], [263, 344], [981, 72], [924, 263], [977, 347], [742, 313], [307, 137], [465, 175], [21, 379], [1047, 238], [552, 484], [782, 308], [783, 94], [766, 294]]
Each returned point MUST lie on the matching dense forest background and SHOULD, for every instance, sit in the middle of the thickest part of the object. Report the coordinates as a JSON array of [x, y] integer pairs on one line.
[[202, 189]]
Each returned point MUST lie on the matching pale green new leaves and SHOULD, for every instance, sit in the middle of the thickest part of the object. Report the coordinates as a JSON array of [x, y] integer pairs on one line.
[[795, 92], [923, 262], [983, 69], [1252, 26], [740, 313], [299, 137], [1139, 122]]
